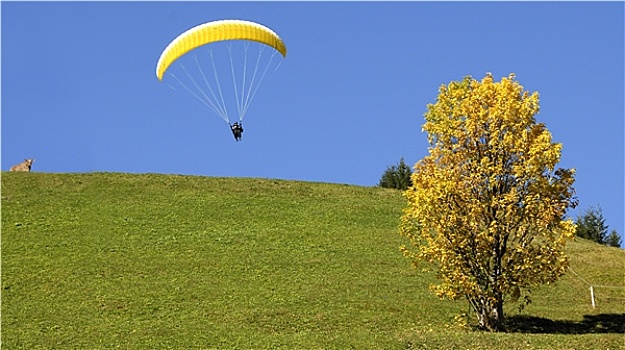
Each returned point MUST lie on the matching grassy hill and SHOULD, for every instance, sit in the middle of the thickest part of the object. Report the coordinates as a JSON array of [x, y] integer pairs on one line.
[[107, 260]]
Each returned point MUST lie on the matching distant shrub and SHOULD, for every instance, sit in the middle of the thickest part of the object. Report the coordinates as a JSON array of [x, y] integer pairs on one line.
[[613, 239], [396, 176]]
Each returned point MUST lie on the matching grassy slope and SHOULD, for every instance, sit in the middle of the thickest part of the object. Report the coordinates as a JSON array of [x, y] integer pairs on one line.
[[101, 261]]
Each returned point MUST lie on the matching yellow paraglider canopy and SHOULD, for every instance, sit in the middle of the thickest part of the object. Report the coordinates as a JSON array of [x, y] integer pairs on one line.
[[217, 31]]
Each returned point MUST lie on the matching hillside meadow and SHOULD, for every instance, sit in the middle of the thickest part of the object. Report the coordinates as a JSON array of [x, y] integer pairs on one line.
[[149, 261]]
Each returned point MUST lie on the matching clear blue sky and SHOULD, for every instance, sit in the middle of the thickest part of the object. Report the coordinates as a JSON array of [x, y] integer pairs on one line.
[[79, 92]]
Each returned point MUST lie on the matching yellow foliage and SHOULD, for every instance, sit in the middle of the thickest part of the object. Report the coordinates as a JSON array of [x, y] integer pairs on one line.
[[487, 204]]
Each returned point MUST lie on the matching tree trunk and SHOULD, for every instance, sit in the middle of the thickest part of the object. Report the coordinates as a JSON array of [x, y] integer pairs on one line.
[[490, 315]]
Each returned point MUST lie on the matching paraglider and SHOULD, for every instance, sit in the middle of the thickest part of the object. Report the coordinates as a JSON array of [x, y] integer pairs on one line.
[[237, 130], [194, 67]]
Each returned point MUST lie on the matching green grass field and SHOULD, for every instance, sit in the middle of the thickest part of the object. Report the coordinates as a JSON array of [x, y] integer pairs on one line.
[[107, 260]]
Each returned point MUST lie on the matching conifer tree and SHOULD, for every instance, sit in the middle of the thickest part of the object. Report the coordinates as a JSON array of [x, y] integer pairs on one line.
[[396, 176], [591, 225]]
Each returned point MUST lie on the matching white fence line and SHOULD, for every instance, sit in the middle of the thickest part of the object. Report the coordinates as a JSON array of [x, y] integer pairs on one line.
[[592, 287]]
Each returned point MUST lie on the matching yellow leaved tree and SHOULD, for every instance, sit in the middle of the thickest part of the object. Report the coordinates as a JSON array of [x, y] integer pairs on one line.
[[487, 206]]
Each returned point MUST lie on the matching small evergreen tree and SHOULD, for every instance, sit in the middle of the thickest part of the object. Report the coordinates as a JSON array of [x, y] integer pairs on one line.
[[591, 225], [613, 239], [397, 176]]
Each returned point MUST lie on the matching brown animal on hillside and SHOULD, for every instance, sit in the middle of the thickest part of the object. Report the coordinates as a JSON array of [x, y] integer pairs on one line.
[[23, 166]]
